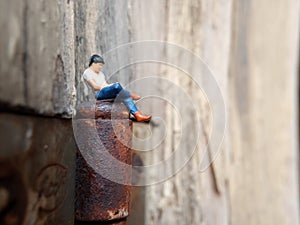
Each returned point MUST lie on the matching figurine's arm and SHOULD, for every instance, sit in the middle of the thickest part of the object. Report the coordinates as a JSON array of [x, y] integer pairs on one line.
[[94, 85]]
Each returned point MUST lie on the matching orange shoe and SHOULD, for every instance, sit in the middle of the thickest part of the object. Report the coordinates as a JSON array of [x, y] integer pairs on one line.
[[135, 96], [141, 118]]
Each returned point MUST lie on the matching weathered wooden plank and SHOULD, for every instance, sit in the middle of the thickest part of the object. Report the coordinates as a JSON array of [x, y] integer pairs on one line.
[[263, 93], [37, 54]]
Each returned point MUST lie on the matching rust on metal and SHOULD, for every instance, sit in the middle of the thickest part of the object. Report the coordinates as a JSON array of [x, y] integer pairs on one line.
[[101, 110], [98, 198]]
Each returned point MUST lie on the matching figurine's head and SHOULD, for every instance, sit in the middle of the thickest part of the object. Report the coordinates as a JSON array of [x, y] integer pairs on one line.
[[96, 59], [96, 62]]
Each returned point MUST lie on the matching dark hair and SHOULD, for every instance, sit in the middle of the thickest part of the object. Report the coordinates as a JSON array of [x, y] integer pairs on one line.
[[96, 59]]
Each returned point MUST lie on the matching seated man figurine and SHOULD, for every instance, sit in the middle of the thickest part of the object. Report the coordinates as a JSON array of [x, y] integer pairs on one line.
[[95, 78]]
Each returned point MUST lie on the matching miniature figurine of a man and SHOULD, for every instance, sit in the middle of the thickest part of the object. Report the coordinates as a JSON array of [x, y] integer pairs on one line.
[[95, 78]]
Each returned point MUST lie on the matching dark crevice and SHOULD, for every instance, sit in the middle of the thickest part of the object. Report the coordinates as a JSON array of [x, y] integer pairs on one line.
[[59, 90], [167, 15], [25, 51], [27, 111]]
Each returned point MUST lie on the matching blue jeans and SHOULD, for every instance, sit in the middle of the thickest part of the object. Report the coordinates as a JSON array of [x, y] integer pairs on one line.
[[116, 90]]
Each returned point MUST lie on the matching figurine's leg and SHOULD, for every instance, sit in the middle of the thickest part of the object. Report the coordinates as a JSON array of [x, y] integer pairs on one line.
[[116, 90], [134, 111], [129, 103], [112, 91]]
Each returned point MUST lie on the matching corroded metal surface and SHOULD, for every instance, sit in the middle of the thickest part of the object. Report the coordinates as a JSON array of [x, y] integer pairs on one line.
[[36, 170], [101, 110], [114, 222], [98, 198]]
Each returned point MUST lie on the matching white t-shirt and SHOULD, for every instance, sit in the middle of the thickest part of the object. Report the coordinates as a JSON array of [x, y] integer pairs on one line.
[[99, 78]]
